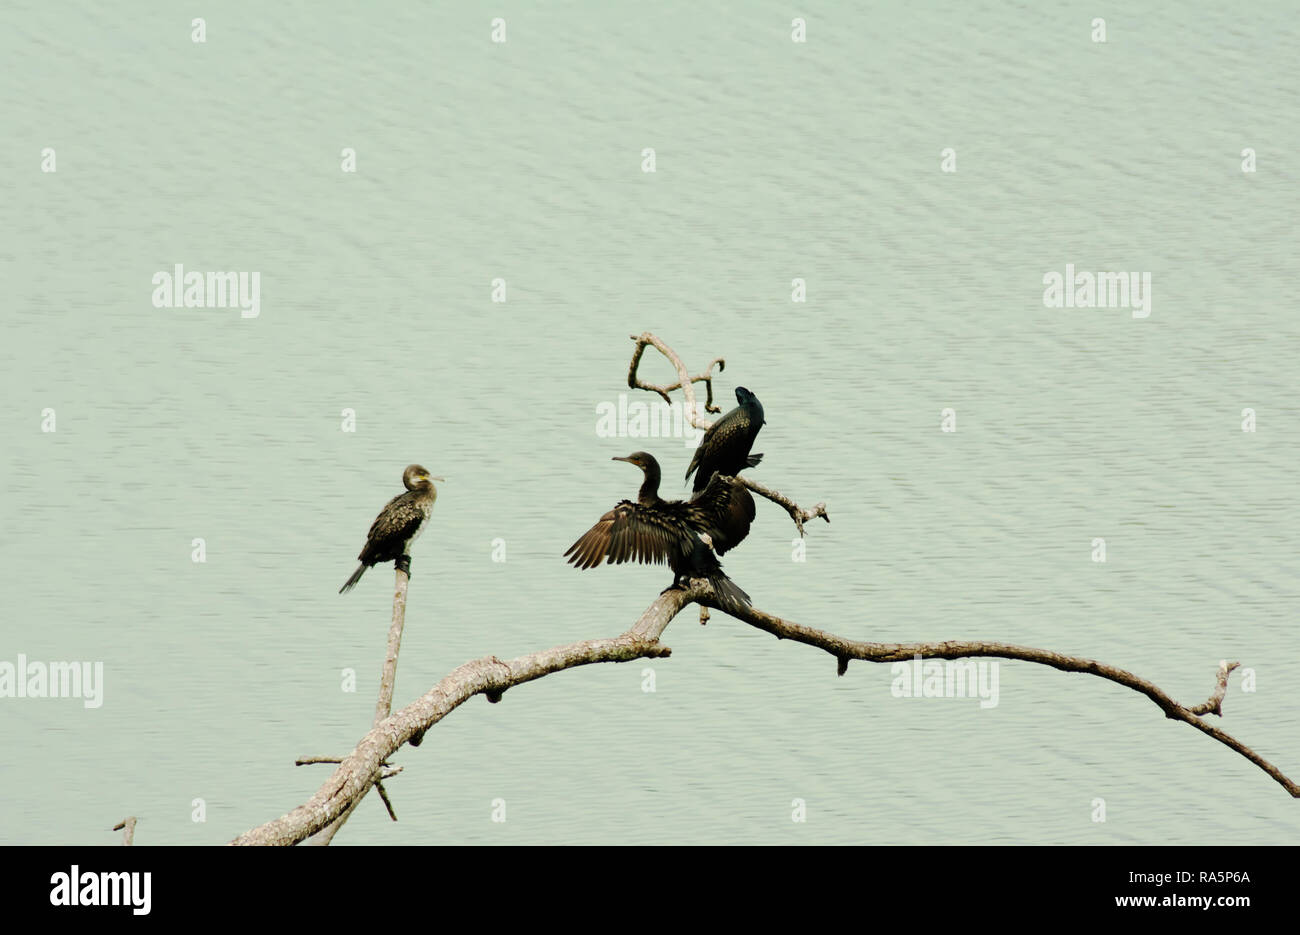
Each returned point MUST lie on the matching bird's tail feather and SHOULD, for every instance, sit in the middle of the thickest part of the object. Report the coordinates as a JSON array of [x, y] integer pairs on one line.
[[753, 460], [351, 582], [730, 595]]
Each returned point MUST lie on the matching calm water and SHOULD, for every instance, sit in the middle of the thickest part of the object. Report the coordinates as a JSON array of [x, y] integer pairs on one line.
[[775, 160]]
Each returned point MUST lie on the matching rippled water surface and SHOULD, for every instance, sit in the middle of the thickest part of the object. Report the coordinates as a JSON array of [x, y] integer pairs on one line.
[[775, 161]]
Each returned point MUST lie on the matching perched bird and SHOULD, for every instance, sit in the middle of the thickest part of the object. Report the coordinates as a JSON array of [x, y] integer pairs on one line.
[[726, 444], [398, 525], [724, 449], [681, 533]]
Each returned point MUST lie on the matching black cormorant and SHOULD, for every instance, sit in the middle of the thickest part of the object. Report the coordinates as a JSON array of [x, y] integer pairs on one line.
[[725, 449], [654, 531], [726, 444], [398, 525]]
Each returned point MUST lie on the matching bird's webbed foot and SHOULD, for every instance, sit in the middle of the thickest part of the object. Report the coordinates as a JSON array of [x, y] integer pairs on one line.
[[403, 563]]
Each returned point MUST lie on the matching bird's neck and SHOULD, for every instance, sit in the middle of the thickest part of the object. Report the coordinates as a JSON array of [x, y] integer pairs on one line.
[[649, 493]]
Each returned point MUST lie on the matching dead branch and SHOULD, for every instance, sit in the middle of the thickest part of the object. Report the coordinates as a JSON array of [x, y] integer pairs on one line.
[[684, 380], [127, 827], [492, 676], [489, 676], [1215, 704], [844, 649], [383, 794], [797, 513], [388, 773], [383, 707]]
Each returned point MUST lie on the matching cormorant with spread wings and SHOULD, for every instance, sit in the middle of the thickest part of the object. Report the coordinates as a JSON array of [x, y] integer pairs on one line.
[[684, 534]]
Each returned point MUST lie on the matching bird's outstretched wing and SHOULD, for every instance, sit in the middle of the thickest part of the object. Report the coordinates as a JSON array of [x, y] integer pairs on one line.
[[630, 533]]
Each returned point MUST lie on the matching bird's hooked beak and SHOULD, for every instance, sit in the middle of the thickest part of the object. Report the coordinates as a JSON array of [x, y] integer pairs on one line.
[[628, 460], [441, 480]]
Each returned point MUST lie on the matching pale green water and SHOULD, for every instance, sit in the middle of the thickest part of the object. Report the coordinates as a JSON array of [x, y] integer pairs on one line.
[[775, 160]]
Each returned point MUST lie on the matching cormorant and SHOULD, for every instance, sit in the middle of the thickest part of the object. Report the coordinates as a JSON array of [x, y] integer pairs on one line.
[[654, 531], [725, 449], [725, 445], [398, 525]]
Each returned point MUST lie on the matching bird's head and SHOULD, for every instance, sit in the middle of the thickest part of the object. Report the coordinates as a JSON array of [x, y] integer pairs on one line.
[[643, 460], [416, 477], [748, 400]]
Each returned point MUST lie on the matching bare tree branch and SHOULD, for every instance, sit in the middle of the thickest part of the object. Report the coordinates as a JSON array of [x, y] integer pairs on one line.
[[383, 794], [127, 827], [1215, 703], [357, 773], [797, 513], [845, 649], [492, 676], [388, 773], [383, 707], [684, 380]]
